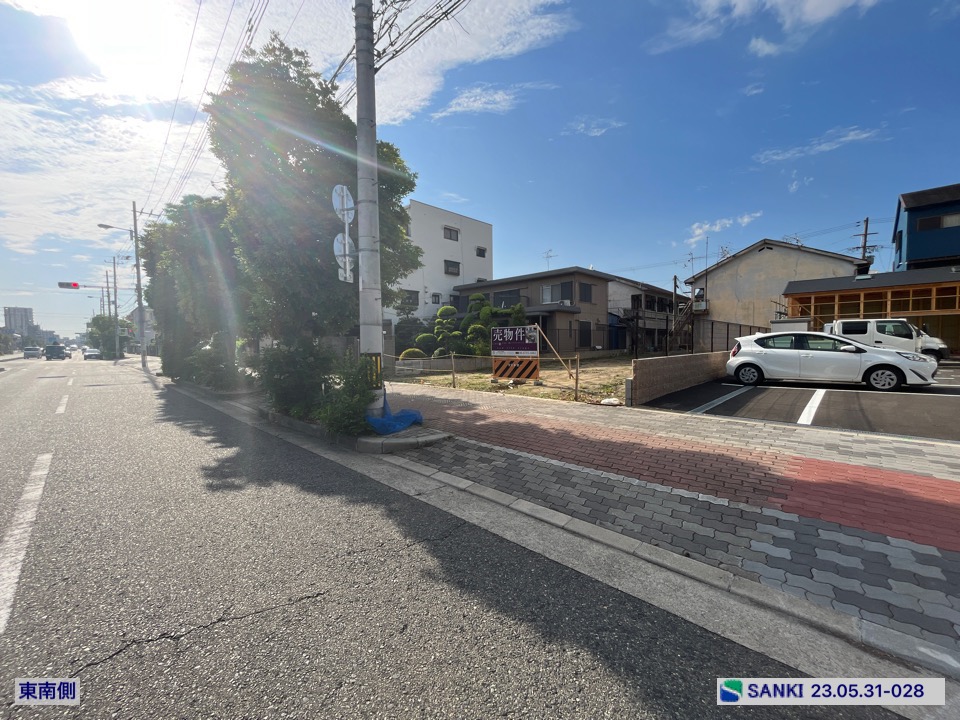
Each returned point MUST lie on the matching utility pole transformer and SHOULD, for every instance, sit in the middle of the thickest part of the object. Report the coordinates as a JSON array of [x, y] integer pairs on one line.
[[368, 213]]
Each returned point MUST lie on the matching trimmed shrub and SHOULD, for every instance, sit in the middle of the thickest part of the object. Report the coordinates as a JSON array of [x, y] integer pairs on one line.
[[413, 354]]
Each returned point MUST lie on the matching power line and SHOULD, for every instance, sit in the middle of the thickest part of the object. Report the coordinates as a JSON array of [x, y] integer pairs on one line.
[[176, 103]]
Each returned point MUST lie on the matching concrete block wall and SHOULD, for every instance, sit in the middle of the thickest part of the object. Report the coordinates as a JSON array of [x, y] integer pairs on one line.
[[653, 377]]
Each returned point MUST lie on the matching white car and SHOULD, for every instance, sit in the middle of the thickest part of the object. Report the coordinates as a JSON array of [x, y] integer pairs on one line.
[[819, 357]]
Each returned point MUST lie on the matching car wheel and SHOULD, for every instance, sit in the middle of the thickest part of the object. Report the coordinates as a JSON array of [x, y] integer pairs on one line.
[[749, 375], [884, 378]]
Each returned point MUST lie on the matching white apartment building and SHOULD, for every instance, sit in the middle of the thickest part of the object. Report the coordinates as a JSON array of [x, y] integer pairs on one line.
[[18, 320], [456, 250]]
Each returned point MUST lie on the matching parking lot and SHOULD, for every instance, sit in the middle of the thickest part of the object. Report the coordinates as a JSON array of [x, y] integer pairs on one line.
[[930, 412]]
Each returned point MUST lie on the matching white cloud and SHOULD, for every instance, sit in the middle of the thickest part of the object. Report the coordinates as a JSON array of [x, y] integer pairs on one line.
[[699, 231], [831, 140], [592, 126], [480, 99], [797, 182], [452, 197], [753, 89], [709, 19]]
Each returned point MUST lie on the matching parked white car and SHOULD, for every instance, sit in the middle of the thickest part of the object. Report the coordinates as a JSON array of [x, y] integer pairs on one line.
[[896, 333], [819, 357]]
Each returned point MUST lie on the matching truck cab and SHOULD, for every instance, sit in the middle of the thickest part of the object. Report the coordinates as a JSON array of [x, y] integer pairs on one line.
[[895, 333]]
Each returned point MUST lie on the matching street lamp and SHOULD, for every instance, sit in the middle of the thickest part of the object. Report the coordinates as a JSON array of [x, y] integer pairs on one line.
[[136, 255]]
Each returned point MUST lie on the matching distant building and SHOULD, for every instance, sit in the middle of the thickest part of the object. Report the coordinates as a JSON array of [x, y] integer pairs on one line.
[[582, 310], [742, 293], [18, 320], [456, 250], [926, 230]]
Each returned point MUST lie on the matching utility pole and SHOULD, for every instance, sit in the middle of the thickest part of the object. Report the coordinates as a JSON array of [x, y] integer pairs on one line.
[[140, 312], [863, 236], [116, 313], [106, 279], [368, 214]]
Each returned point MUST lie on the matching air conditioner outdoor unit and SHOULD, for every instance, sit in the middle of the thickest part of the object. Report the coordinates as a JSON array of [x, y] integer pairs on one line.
[[700, 306], [566, 302]]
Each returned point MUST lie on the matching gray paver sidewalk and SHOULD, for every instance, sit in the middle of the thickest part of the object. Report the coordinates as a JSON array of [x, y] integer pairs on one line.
[[893, 583]]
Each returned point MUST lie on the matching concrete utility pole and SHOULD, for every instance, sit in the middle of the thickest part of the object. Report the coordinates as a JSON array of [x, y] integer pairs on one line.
[[116, 312], [140, 312], [368, 212], [863, 236]]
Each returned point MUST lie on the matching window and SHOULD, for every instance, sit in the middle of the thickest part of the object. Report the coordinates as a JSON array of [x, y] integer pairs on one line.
[[435, 298], [651, 303], [410, 298], [939, 221], [855, 328], [823, 344], [586, 293], [481, 252], [506, 298], [556, 293], [895, 329], [450, 233], [586, 336], [777, 342], [451, 267]]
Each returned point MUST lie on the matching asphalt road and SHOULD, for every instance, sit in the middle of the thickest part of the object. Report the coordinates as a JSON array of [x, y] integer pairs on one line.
[[928, 412], [183, 565]]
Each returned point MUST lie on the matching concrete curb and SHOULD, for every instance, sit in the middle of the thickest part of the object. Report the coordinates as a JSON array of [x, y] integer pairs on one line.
[[848, 628], [372, 445]]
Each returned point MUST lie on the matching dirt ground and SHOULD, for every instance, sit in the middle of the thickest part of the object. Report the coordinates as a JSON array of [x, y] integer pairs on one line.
[[599, 379]]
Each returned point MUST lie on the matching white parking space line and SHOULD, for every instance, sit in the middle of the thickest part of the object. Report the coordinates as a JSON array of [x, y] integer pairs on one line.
[[70, 381], [719, 401], [62, 407], [806, 417], [14, 547]]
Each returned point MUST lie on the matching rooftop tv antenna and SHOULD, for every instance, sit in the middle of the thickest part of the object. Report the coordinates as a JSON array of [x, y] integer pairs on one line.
[[547, 255]]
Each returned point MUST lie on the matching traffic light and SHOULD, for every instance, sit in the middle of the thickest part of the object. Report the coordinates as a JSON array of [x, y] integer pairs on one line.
[[69, 285]]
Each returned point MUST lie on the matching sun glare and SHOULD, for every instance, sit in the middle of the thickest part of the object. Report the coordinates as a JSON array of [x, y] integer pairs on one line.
[[139, 47]]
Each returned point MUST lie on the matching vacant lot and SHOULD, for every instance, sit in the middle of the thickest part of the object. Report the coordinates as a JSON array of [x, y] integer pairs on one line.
[[599, 379]]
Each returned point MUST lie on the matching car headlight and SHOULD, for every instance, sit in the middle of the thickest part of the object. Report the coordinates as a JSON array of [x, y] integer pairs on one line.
[[915, 357]]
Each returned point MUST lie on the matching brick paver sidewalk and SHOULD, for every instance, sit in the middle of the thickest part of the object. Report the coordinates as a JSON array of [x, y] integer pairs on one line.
[[868, 525]]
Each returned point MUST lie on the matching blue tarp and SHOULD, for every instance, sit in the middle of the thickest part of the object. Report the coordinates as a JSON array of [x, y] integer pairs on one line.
[[394, 422]]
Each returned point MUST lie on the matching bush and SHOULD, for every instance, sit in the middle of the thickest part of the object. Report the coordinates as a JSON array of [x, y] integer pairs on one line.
[[412, 354], [214, 365], [343, 409], [294, 378]]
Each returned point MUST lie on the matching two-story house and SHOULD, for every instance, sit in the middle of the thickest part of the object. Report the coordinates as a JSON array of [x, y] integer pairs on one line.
[[926, 230]]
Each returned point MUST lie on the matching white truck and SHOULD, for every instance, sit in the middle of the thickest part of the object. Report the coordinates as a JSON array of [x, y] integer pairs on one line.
[[898, 333]]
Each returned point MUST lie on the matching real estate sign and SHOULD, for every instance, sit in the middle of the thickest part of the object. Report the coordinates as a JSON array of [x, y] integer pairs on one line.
[[515, 341]]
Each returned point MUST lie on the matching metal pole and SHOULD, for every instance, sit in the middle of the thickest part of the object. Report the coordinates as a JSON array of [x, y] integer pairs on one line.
[[106, 279], [140, 312], [368, 214], [116, 313]]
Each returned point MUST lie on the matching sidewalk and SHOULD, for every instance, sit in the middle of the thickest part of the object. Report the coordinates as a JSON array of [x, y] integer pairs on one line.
[[862, 524], [857, 527]]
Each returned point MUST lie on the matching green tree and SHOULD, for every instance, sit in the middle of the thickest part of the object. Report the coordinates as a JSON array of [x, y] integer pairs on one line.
[[285, 143], [196, 290], [445, 338], [481, 317], [102, 334]]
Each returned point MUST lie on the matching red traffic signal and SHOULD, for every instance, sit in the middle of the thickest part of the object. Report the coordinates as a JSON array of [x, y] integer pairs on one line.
[[69, 285]]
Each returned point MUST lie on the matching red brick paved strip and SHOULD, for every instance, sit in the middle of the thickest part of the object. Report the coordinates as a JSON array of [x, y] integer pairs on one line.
[[915, 507], [923, 509]]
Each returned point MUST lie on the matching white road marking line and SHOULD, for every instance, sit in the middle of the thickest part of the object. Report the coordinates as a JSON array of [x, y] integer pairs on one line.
[[14, 547], [62, 408], [806, 417], [719, 401], [70, 381]]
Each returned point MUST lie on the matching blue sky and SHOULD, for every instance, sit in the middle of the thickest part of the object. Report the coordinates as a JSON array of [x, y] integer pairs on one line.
[[631, 135]]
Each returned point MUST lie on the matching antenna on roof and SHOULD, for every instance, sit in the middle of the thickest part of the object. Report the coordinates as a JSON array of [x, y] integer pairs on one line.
[[547, 255]]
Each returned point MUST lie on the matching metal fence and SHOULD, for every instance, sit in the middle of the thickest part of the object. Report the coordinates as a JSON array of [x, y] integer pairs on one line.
[[715, 335]]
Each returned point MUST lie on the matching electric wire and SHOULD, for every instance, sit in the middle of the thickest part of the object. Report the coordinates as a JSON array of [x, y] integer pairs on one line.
[[173, 115]]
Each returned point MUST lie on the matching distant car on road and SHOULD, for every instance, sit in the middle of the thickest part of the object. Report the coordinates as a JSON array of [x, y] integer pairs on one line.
[[32, 352], [92, 354], [819, 357], [55, 352]]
